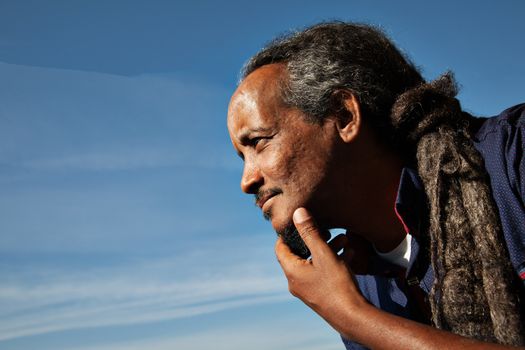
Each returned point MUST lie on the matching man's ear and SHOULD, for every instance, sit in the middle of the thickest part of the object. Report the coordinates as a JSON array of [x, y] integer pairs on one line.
[[349, 116]]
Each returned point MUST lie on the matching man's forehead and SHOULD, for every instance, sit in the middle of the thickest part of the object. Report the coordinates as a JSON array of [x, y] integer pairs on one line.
[[257, 96], [266, 74], [264, 82]]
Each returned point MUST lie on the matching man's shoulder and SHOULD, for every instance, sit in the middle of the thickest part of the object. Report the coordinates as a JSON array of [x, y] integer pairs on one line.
[[514, 115], [509, 120], [501, 143]]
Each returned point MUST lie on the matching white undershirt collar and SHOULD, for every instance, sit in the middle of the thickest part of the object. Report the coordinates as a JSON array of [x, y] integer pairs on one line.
[[400, 255]]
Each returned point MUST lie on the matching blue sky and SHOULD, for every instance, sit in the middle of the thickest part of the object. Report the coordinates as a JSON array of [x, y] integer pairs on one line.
[[122, 225]]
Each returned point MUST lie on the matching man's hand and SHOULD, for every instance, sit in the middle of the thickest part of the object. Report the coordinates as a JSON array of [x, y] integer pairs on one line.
[[324, 282]]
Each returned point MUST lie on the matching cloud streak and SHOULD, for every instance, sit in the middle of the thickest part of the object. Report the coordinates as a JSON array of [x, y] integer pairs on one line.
[[245, 337], [134, 294], [53, 119], [117, 160]]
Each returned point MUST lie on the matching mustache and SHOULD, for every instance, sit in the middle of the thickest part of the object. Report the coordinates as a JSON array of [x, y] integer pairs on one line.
[[266, 193]]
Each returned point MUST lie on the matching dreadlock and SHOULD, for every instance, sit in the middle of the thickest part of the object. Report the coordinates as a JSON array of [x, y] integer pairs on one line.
[[474, 294]]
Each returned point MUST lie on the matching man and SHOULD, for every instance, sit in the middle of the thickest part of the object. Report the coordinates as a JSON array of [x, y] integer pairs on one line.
[[331, 124]]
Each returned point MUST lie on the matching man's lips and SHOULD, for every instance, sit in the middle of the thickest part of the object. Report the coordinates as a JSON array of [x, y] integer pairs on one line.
[[263, 200], [263, 196]]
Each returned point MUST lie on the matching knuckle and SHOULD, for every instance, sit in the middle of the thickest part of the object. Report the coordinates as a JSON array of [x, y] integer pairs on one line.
[[308, 231], [292, 288], [292, 291]]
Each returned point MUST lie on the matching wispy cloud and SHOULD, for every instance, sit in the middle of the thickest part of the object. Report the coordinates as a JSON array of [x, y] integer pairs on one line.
[[54, 119], [114, 160], [277, 336], [143, 292], [98, 162]]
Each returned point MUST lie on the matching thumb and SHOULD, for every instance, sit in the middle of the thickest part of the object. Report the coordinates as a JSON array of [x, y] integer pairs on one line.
[[309, 232]]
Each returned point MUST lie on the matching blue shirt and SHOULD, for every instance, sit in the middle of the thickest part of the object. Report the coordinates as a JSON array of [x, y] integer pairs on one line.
[[501, 142]]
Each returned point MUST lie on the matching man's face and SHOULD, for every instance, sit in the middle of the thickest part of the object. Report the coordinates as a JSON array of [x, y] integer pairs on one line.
[[287, 160]]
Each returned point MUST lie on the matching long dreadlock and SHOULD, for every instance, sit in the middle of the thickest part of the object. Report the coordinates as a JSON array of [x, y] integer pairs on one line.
[[473, 293]]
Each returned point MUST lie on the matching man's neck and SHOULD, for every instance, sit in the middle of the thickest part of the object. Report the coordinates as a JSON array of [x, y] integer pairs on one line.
[[371, 210]]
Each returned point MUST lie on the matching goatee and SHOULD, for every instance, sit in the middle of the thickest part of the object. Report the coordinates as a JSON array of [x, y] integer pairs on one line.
[[291, 237]]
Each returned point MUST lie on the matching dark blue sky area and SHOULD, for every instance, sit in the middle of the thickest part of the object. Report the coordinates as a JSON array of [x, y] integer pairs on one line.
[[212, 39]]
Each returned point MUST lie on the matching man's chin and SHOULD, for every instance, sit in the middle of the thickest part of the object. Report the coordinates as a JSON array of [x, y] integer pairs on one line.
[[292, 238]]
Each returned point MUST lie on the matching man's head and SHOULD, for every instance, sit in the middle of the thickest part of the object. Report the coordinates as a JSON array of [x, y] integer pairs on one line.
[[299, 105]]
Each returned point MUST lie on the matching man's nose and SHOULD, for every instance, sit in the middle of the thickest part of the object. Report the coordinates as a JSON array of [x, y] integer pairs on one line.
[[251, 178]]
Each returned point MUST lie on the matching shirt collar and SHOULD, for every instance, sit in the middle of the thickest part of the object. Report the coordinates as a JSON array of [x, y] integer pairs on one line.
[[411, 204], [411, 207]]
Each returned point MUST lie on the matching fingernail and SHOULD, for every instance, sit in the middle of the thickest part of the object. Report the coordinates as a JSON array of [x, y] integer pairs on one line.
[[301, 215]]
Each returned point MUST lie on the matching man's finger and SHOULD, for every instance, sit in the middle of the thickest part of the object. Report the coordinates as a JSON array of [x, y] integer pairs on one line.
[[308, 231], [286, 258]]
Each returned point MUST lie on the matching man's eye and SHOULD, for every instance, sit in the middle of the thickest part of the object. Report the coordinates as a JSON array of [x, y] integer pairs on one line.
[[257, 142]]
